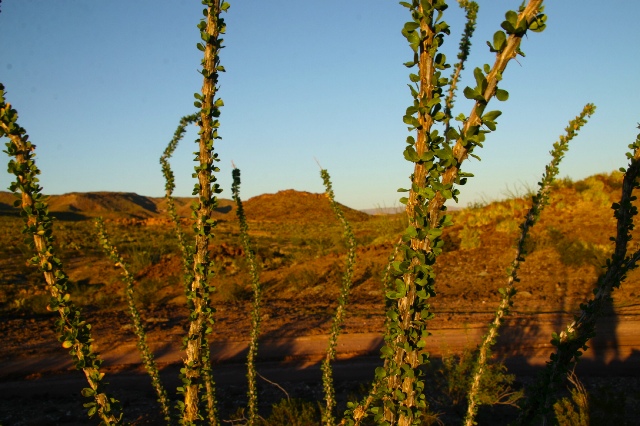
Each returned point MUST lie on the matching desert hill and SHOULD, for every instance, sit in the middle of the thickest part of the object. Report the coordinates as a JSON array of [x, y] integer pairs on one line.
[[296, 206], [284, 206], [6, 201], [104, 203]]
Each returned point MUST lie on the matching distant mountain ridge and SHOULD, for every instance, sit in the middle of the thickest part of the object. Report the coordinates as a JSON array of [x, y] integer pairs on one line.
[[283, 206]]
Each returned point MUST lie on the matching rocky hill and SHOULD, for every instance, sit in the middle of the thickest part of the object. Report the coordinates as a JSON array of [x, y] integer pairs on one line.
[[284, 206]]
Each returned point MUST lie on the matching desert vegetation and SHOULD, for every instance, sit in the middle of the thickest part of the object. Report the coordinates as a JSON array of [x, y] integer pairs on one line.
[[251, 272]]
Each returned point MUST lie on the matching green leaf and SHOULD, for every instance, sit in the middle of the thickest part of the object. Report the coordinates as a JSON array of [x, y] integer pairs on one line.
[[452, 134], [510, 29], [435, 232], [411, 231], [539, 24], [427, 156], [386, 350], [469, 93], [499, 40], [410, 154], [87, 392], [491, 115], [502, 95], [411, 26], [481, 80]]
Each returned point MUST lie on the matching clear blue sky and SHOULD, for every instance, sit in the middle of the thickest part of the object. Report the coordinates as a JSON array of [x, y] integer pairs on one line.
[[100, 87]]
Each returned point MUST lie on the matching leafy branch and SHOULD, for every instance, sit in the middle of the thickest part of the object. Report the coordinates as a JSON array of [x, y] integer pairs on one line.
[[539, 202], [436, 171], [252, 392], [197, 363], [145, 352], [74, 332], [574, 338], [187, 251], [338, 318], [471, 9]]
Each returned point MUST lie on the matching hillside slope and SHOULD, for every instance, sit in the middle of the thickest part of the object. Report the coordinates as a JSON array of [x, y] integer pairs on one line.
[[284, 206]]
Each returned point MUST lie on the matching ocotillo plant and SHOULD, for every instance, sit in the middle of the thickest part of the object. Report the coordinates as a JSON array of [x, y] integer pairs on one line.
[[471, 9], [145, 352], [187, 251], [436, 171], [345, 289], [185, 248], [252, 391], [197, 363], [574, 338], [539, 202], [74, 332]]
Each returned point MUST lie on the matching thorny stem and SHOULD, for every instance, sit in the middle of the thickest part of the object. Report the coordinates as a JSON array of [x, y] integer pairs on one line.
[[252, 391], [74, 332], [413, 310], [145, 352], [187, 251], [358, 412], [573, 340], [338, 318], [197, 363], [540, 201], [471, 8]]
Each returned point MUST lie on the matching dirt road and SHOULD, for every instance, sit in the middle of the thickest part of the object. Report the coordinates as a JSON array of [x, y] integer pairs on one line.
[[44, 385]]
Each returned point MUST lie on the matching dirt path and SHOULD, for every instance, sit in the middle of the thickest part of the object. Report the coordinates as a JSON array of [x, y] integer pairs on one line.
[[50, 387], [526, 338]]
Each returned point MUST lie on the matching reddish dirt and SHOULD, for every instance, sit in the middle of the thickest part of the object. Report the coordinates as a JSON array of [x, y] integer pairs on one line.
[[300, 284]]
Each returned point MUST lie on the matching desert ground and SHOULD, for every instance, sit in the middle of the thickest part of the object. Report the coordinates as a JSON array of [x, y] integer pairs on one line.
[[299, 247]]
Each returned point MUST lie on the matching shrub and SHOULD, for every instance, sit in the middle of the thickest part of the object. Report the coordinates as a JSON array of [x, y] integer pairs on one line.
[[293, 412], [600, 406]]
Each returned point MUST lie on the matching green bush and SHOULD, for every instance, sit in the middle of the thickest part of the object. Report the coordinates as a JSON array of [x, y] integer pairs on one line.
[[293, 412]]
